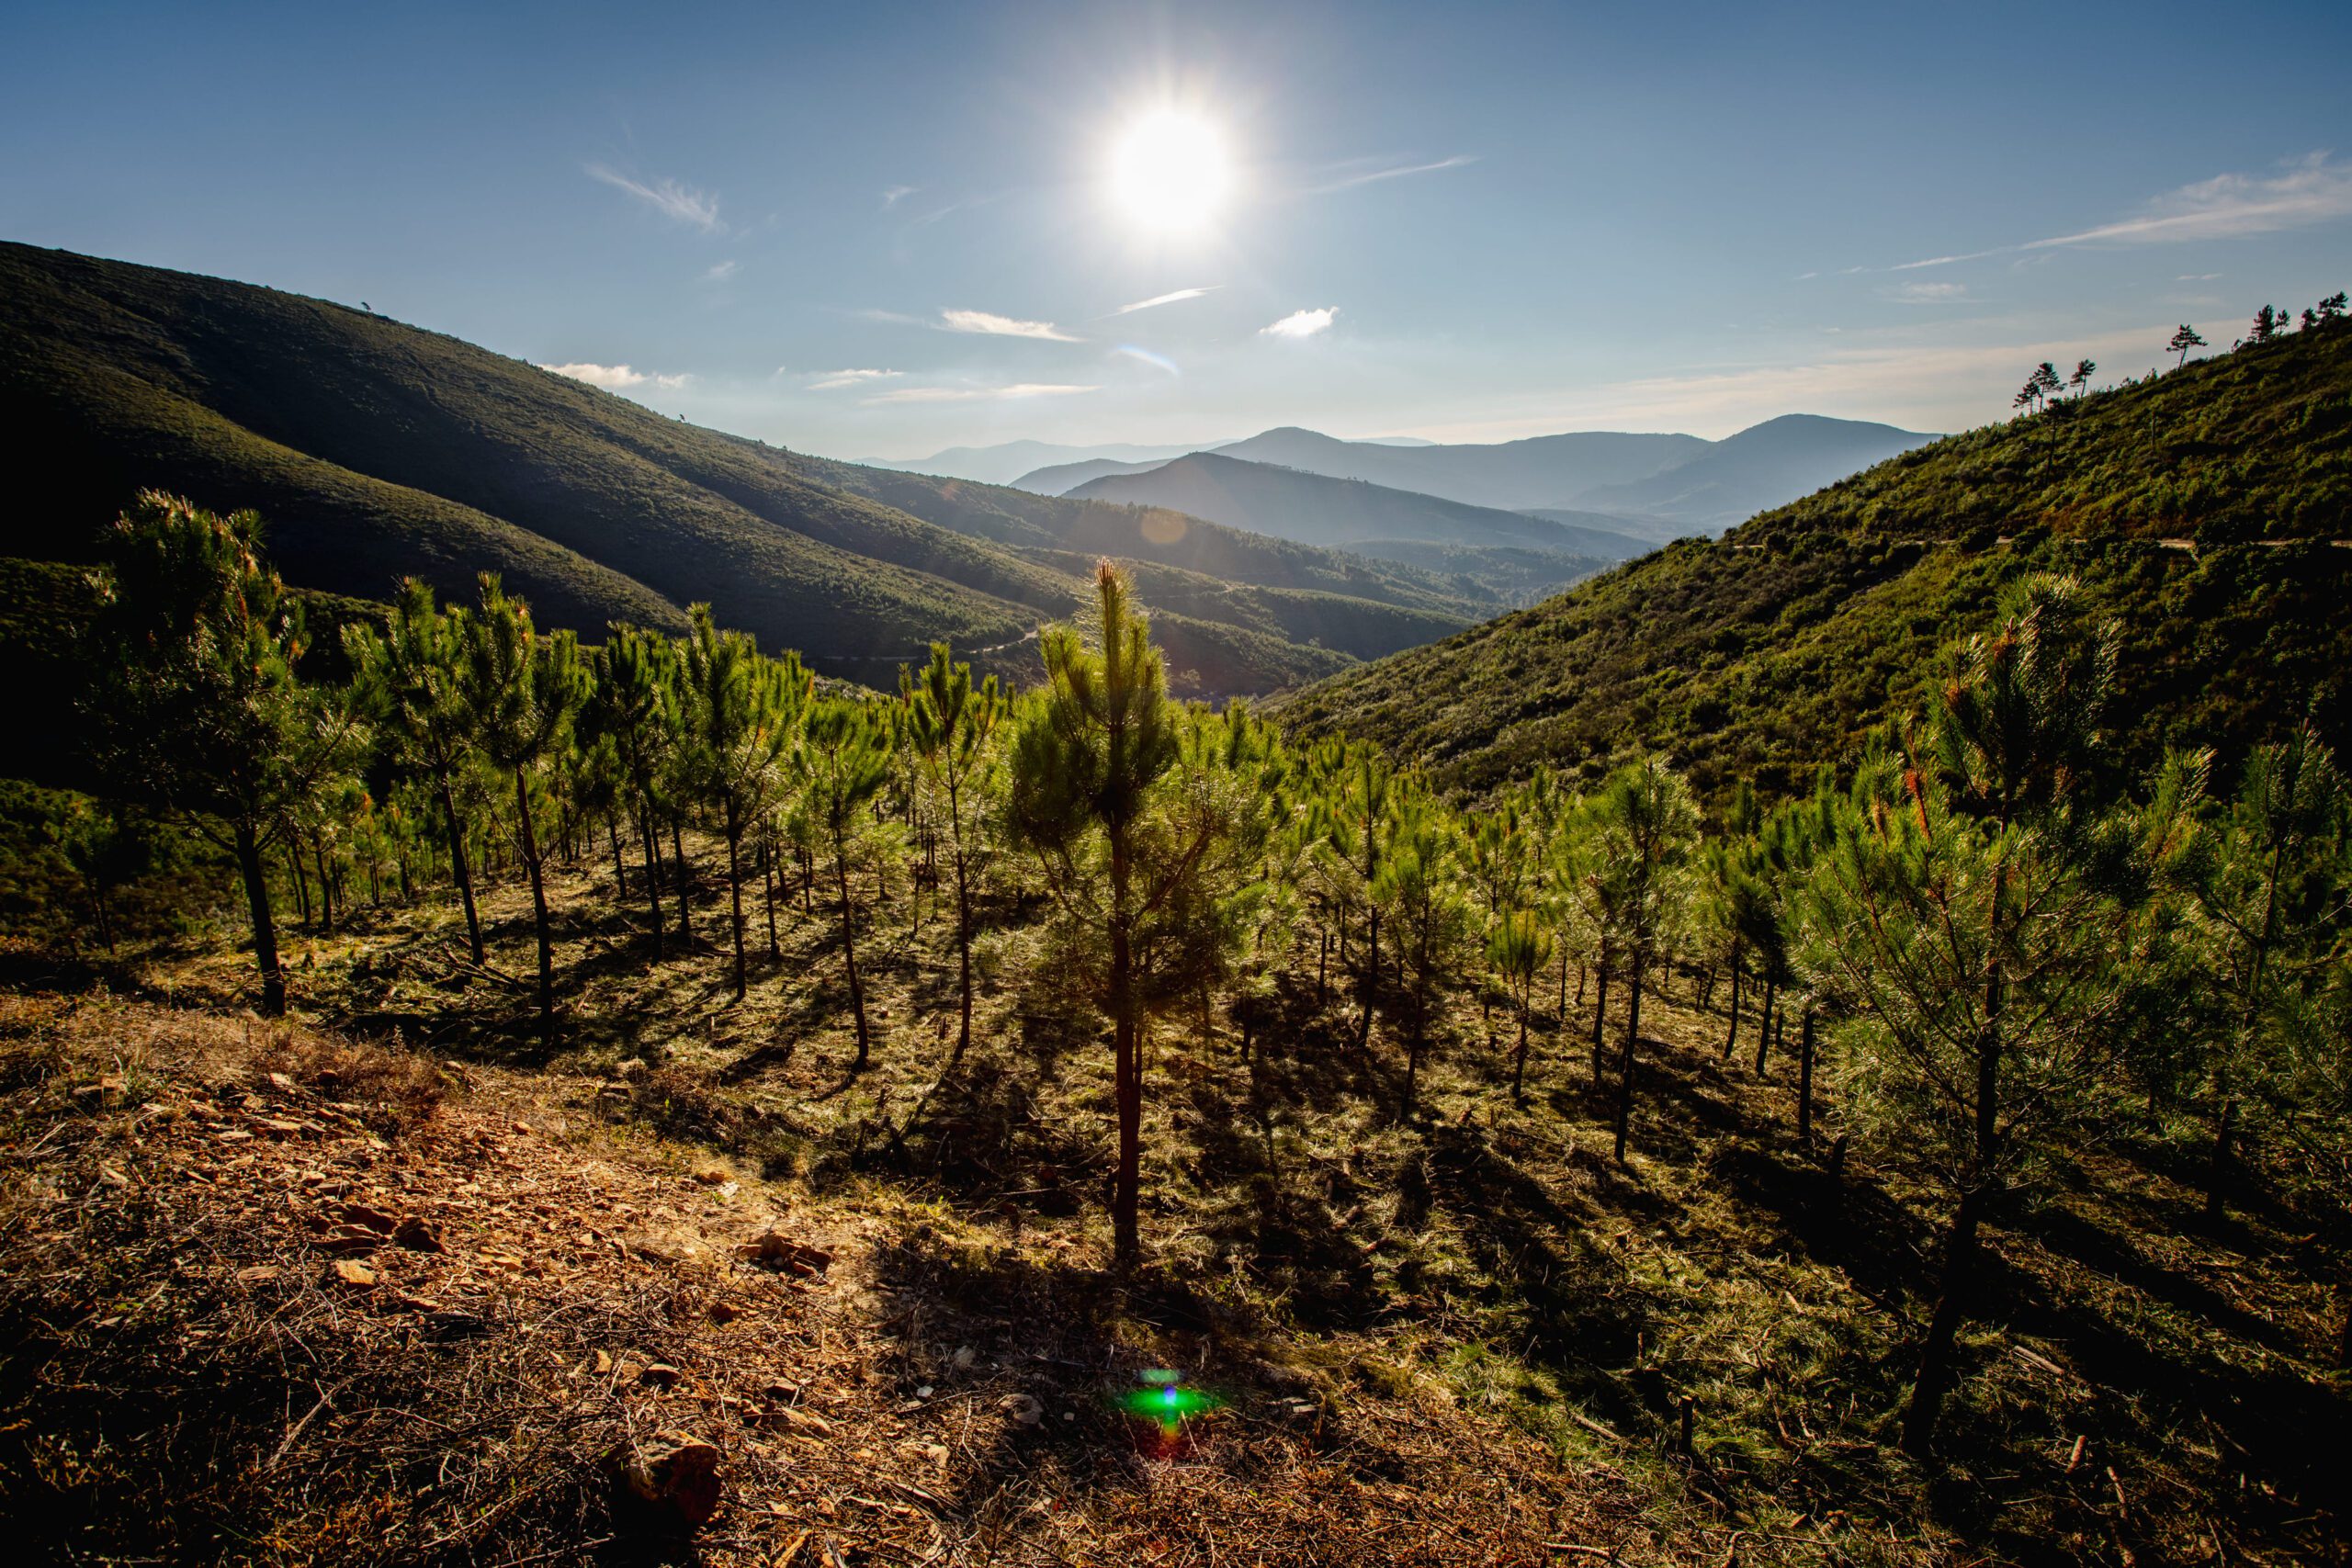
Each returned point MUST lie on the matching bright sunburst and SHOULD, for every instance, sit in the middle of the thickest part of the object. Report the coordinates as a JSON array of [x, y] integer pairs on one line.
[[1168, 172]]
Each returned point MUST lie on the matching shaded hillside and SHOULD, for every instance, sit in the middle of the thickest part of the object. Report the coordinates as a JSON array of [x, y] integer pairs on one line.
[[376, 450], [1775, 648], [1763, 465]]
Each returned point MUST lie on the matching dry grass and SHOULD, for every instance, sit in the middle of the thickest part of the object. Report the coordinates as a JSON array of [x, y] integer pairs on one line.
[[1465, 1335]]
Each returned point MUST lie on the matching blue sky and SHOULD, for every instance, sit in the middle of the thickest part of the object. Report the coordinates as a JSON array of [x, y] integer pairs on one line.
[[1519, 219]]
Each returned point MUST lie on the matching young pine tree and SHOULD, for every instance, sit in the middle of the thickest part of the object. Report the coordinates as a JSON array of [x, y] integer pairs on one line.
[[195, 702], [1977, 921], [1150, 847], [845, 760], [950, 726], [522, 689], [743, 718], [1644, 828], [409, 677]]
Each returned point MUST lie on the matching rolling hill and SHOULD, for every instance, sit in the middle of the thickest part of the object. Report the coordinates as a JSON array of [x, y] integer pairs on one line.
[[1764, 466], [1346, 514], [2205, 510], [1006, 462], [376, 450]]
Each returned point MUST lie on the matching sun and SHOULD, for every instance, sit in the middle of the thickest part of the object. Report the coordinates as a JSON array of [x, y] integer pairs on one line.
[[1169, 171]]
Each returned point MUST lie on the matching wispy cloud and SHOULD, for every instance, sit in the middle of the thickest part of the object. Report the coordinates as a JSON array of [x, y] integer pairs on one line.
[[1146, 357], [612, 377], [722, 272], [994, 325], [894, 195], [1928, 294], [977, 394], [833, 380], [2313, 189], [1169, 299], [667, 196], [1301, 323], [2197, 277], [671, 383], [1347, 176]]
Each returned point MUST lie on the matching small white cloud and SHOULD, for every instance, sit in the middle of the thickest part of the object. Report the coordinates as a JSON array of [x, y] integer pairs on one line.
[[612, 377], [833, 379], [895, 194], [720, 273], [1001, 326], [1301, 323], [2197, 277], [974, 394], [1170, 298], [667, 196], [1928, 294], [672, 383]]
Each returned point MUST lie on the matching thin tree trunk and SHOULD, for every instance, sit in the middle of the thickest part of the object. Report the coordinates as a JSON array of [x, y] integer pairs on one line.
[[459, 868], [1126, 1245], [849, 955], [1519, 1058], [301, 883], [652, 842], [326, 884], [1601, 995], [768, 886], [735, 891], [256, 879], [1371, 981], [1805, 1079], [1625, 1062], [1764, 1024], [681, 873], [1935, 1376], [620, 873], [531, 848], [1731, 1037], [963, 933]]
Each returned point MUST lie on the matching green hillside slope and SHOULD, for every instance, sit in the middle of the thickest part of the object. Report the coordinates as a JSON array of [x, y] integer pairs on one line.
[[376, 450], [2199, 509]]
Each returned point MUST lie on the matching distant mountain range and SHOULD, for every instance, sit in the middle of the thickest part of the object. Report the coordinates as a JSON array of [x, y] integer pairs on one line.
[[1003, 463], [1655, 487], [1538, 555], [374, 450]]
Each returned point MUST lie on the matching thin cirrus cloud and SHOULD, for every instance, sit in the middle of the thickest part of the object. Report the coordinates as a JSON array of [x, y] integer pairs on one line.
[[618, 378], [2306, 191], [722, 272], [667, 196], [994, 325], [1172, 296], [977, 394], [1929, 294], [894, 195], [1347, 176], [1301, 323], [833, 380]]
